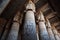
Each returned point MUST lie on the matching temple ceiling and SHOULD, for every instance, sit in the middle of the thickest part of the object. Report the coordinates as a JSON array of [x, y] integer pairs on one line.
[[42, 5]]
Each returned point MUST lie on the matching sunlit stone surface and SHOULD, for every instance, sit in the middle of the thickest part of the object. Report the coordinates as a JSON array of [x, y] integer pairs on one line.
[[42, 28], [29, 28]]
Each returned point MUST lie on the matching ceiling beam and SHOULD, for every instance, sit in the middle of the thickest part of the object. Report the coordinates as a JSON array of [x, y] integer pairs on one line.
[[50, 15], [54, 19], [56, 23], [35, 1], [44, 7], [40, 3]]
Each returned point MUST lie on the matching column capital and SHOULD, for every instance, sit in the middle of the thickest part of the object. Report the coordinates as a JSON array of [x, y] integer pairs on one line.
[[17, 16], [30, 6], [41, 17], [48, 23], [16, 22]]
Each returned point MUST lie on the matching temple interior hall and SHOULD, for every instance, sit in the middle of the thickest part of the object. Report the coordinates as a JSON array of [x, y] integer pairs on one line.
[[29, 19]]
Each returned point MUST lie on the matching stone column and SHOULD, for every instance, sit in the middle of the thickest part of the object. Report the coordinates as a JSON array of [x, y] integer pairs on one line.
[[49, 29], [6, 30], [37, 31], [3, 5], [42, 28], [15, 28], [3, 22], [59, 35], [29, 28], [55, 33]]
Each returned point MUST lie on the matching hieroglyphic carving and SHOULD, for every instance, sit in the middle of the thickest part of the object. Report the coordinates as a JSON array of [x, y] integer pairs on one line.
[[29, 32]]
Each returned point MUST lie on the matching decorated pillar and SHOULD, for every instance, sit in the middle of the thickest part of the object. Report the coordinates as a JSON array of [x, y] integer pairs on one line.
[[49, 29], [37, 32], [29, 28], [4, 35], [15, 28], [55, 33], [42, 28], [59, 35]]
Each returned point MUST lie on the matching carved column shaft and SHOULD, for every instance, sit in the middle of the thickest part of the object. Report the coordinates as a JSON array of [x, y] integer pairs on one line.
[[37, 31], [15, 28], [3, 22], [55, 33], [50, 32], [6, 30], [42, 28], [29, 28]]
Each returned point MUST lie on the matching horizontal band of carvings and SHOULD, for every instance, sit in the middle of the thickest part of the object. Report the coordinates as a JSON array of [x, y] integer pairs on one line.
[[16, 21], [30, 10], [48, 27], [41, 21]]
